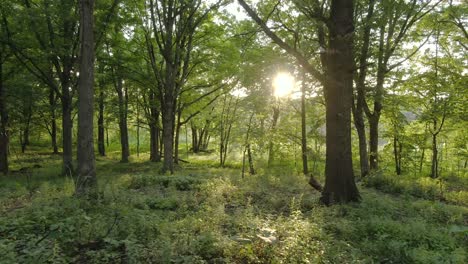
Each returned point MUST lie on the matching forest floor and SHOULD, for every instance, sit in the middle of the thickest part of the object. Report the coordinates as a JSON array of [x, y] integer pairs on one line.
[[205, 214]]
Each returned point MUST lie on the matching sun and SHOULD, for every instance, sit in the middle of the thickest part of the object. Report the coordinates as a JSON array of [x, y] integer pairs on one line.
[[283, 84]]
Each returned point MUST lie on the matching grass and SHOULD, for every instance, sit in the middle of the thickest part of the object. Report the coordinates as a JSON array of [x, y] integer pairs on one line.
[[207, 214]]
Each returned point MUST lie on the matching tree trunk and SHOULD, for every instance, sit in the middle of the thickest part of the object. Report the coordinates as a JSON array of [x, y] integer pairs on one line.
[[155, 154], [305, 168], [168, 137], [271, 146], [4, 140], [86, 181], [361, 131], [374, 141], [101, 139], [53, 120], [358, 111], [123, 128], [195, 144], [421, 160], [251, 165], [397, 154], [67, 130], [176, 138], [25, 141], [339, 182], [435, 158]]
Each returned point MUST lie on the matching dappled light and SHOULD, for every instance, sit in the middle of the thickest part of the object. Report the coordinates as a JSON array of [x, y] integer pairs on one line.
[[193, 131]]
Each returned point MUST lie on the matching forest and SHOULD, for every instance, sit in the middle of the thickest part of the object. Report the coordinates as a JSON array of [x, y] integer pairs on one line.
[[233, 131]]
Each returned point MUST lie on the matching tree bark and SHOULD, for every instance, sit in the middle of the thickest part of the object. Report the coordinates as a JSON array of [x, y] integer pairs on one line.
[[27, 129], [305, 167], [155, 154], [339, 182], [358, 110], [67, 130], [4, 140], [176, 138], [168, 136], [86, 182], [271, 145], [101, 139], [397, 147], [435, 157], [123, 128], [53, 120], [337, 81], [374, 141]]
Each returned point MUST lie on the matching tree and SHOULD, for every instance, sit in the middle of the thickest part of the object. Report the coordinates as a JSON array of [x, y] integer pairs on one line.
[[337, 81], [4, 139], [48, 51], [173, 26], [86, 179]]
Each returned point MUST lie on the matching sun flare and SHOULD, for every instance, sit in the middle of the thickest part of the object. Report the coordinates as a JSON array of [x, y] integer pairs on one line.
[[283, 84]]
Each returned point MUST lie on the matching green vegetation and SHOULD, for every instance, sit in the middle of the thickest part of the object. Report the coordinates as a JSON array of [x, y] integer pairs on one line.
[[205, 214], [233, 131]]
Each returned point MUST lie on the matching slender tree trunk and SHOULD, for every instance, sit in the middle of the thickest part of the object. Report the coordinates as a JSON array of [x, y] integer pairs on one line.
[[339, 182], [363, 155], [435, 158], [374, 141], [86, 181], [397, 154], [251, 164], [305, 167], [155, 154], [421, 160], [125, 148], [25, 141], [195, 146], [4, 140], [53, 120], [138, 127], [101, 139], [358, 111], [271, 146], [67, 125], [176, 138], [247, 148]]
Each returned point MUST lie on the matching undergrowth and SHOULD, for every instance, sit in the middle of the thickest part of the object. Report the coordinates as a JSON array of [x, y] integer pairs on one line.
[[212, 215]]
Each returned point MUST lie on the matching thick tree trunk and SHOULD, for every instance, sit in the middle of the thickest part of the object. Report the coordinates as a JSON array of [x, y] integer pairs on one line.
[[3, 126], [155, 155], [86, 181], [53, 121], [123, 128], [168, 137], [101, 139], [374, 141], [339, 182]]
